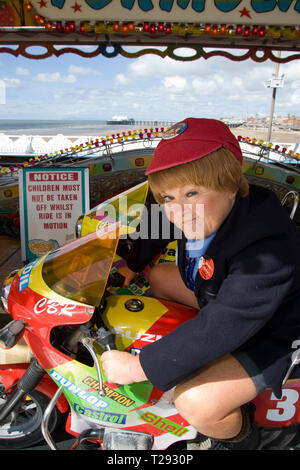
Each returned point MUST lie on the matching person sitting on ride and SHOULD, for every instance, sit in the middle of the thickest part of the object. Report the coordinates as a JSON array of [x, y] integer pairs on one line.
[[240, 263]]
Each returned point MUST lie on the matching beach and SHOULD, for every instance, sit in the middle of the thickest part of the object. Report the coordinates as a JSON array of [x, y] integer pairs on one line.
[[259, 134], [277, 135], [47, 129]]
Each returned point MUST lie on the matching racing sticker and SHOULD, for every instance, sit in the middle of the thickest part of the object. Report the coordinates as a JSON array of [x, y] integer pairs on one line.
[[53, 307], [164, 424], [109, 392], [77, 391], [115, 418], [24, 277]]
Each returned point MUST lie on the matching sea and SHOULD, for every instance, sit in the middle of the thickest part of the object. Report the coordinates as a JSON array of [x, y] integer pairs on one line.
[[54, 127]]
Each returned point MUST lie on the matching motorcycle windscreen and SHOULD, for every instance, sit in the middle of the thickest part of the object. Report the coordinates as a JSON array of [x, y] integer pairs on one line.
[[127, 208], [80, 269]]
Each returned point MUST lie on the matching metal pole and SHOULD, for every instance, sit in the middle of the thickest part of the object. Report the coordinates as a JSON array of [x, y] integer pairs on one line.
[[46, 417], [273, 101]]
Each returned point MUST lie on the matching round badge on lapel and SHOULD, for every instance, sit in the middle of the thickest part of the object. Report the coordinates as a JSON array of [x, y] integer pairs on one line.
[[206, 267]]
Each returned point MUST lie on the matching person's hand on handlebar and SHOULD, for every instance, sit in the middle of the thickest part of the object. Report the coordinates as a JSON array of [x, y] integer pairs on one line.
[[128, 274], [122, 367]]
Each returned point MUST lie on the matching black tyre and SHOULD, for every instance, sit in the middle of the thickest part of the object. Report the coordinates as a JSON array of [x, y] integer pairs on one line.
[[22, 428], [280, 439]]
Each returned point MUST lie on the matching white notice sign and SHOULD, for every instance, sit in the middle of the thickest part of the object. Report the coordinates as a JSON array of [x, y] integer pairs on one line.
[[51, 200]]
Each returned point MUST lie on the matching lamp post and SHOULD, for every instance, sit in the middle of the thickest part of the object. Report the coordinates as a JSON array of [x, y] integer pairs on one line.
[[275, 82]]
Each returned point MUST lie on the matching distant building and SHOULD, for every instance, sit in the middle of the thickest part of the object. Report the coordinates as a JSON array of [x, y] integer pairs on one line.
[[123, 120]]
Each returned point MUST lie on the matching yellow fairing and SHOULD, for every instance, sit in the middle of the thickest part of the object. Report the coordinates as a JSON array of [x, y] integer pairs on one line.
[[37, 283], [127, 325]]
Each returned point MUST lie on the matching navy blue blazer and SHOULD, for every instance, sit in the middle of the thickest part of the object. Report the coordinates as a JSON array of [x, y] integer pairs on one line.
[[251, 303]]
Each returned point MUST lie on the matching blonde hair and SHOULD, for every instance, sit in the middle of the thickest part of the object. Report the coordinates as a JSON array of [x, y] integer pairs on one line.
[[219, 171]]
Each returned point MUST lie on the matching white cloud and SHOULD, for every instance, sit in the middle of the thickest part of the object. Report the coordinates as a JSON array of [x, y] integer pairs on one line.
[[22, 71], [295, 85], [235, 97], [70, 113], [121, 79], [175, 83], [204, 87], [69, 78], [12, 82], [150, 87], [48, 77], [139, 68], [154, 66], [295, 97], [58, 95], [237, 82], [291, 71], [256, 78], [55, 77], [93, 94], [137, 106], [77, 70]]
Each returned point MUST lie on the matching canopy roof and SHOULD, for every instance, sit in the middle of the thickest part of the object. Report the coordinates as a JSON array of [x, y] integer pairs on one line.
[[259, 27]]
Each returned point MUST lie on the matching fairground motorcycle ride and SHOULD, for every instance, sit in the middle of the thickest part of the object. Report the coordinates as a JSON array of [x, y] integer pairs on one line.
[[68, 309]]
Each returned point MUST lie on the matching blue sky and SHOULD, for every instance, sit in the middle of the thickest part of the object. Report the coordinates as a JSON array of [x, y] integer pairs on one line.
[[72, 87]]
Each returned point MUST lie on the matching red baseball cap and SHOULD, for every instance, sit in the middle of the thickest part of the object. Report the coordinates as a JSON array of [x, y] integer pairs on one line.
[[191, 139]]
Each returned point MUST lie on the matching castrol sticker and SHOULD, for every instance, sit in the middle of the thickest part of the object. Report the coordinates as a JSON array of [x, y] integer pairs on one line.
[[206, 267]]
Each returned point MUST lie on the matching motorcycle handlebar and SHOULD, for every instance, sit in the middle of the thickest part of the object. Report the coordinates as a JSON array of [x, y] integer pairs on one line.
[[106, 339]]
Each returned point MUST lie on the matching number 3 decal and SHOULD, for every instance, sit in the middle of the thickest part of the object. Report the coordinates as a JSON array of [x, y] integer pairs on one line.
[[285, 408]]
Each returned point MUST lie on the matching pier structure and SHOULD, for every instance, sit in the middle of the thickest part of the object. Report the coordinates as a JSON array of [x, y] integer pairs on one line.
[[153, 123], [138, 122]]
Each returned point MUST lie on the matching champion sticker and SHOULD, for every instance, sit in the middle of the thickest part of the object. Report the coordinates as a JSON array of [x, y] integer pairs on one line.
[[175, 130], [206, 267]]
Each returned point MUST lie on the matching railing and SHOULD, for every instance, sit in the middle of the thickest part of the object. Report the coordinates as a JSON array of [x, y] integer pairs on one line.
[[69, 152], [39, 144]]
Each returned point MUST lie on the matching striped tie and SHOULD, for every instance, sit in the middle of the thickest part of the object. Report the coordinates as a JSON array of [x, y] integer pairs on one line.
[[189, 268]]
